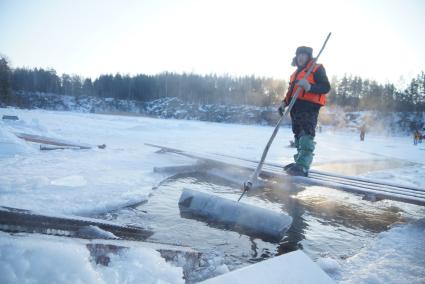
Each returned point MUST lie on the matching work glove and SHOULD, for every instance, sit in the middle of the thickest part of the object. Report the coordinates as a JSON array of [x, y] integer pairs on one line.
[[303, 83], [281, 109]]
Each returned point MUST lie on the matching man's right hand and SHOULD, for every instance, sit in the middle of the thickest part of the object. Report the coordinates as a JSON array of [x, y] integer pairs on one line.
[[281, 110]]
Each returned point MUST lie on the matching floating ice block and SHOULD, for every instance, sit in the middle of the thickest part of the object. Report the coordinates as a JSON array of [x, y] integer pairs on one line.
[[289, 268], [241, 217]]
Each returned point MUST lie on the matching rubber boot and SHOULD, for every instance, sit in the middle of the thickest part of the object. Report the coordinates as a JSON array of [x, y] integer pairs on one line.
[[305, 151], [303, 158], [297, 170], [297, 145], [288, 166]]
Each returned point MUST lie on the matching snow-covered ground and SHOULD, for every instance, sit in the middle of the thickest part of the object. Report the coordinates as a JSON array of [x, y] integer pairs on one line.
[[86, 182], [49, 259]]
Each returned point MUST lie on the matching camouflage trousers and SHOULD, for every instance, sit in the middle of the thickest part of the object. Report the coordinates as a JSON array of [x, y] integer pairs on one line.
[[304, 122]]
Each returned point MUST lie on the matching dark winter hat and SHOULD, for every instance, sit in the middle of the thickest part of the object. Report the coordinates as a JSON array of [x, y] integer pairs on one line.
[[302, 49], [305, 49]]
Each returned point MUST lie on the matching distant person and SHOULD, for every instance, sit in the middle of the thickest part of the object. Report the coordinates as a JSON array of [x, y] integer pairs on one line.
[[362, 132], [306, 109], [417, 137]]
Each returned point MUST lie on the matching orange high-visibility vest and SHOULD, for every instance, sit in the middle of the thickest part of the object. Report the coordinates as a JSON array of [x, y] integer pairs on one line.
[[306, 96]]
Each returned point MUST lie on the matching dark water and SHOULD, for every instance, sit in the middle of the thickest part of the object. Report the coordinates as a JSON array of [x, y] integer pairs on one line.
[[326, 222]]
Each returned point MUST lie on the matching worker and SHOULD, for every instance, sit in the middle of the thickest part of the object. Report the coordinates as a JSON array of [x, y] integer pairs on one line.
[[306, 109]]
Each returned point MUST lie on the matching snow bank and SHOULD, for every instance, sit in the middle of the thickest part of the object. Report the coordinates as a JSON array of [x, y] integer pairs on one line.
[[10, 145], [140, 265], [396, 256], [39, 261], [42, 259]]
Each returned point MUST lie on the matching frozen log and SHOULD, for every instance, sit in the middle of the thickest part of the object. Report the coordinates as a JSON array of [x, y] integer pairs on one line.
[[10, 117], [241, 217]]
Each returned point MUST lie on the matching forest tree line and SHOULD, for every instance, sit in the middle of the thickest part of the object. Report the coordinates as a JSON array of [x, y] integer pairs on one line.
[[355, 93], [350, 92]]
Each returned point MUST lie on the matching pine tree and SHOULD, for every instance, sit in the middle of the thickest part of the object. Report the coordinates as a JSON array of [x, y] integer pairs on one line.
[[5, 82]]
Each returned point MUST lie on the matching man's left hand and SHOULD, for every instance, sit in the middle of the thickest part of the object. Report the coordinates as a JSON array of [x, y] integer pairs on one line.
[[303, 83]]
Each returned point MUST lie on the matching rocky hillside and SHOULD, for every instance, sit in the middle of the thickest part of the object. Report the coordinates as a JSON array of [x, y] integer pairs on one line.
[[330, 117]]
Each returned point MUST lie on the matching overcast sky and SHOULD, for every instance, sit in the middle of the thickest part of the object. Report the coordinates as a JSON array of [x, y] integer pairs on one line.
[[382, 39]]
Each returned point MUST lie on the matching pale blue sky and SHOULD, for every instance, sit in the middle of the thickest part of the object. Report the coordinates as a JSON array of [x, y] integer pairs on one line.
[[382, 39]]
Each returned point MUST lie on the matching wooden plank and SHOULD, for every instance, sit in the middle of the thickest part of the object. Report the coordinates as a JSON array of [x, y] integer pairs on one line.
[[315, 173], [19, 220], [10, 117], [279, 169], [44, 147], [343, 182], [181, 169], [373, 187], [379, 191], [54, 141]]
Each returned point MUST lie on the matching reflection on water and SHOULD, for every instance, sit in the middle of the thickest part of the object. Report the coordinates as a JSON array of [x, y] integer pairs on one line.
[[326, 222]]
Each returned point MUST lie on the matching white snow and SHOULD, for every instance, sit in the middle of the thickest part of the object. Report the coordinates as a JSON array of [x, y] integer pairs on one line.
[[396, 256], [141, 266], [77, 181], [11, 145], [83, 182], [47, 259], [71, 181]]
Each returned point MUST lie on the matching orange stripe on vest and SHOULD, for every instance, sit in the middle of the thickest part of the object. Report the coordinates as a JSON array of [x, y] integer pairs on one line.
[[306, 96]]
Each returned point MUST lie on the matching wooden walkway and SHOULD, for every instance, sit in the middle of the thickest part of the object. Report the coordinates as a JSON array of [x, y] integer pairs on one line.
[[374, 189]]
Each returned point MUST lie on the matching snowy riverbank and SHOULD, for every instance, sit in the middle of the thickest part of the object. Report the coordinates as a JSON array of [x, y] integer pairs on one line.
[[383, 123], [87, 182]]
